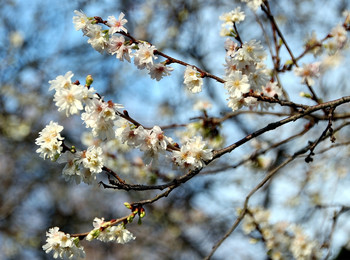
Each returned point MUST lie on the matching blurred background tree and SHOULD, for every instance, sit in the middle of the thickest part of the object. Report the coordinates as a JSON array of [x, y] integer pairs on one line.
[[38, 42]]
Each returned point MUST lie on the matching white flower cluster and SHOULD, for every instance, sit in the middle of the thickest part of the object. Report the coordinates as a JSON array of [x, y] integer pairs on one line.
[[338, 39], [81, 166], [104, 232], [50, 141], [282, 240], [103, 119], [192, 154], [70, 97], [193, 80], [62, 245], [253, 4], [245, 71], [308, 72], [99, 115], [107, 41], [151, 141], [231, 18], [340, 36]]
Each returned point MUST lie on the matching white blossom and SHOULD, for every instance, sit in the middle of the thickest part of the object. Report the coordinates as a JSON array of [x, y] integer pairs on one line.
[[50, 141], [340, 35], [202, 105], [159, 70], [61, 82], [81, 21], [116, 46], [62, 245], [71, 171], [144, 55], [235, 16], [70, 99], [121, 234], [308, 72], [253, 4], [230, 47], [92, 159], [193, 80], [97, 38], [237, 84], [106, 233], [100, 116], [192, 154], [117, 25], [258, 77], [272, 89], [251, 51]]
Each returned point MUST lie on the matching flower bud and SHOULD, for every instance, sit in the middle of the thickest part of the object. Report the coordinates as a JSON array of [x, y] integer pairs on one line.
[[127, 204], [130, 218], [89, 80], [306, 95], [143, 213]]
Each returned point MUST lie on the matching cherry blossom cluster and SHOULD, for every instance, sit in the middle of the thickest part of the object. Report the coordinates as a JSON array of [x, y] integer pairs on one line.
[[80, 166], [142, 52], [229, 20], [104, 232], [337, 41], [253, 4], [192, 154], [105, 122], [152, 141], [193, 79], [50, 141], [308, 72], [245, 71], [106, 41], [63, 245], [282, 238]]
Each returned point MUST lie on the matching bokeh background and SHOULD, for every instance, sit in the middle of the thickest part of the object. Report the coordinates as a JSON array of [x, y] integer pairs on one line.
[[38, 42]]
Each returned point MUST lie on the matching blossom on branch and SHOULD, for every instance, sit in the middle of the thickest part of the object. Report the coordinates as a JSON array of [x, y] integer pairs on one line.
[[308, 72], [144, 55], [61, 82], [98, 38], [235, 16], [100, 116], [116, 46], [192, 154], [71, 171], [92, 159], [103, 231], [62, 245], [50, 141], [237, 84], [193, 79], [81, 21], [159, 70], [253, 4], [117, 25], [69, 99], [340, 35]]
